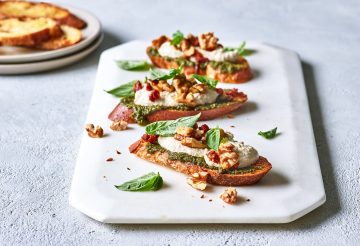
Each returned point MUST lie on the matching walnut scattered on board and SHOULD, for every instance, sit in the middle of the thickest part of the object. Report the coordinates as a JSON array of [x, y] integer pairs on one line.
[[94, 132], [229, 195]]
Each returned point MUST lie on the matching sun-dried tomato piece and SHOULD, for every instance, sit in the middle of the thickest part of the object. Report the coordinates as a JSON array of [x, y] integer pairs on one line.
[[150, 138], [204, 128], [219, 91], [148, 87], [137, 86], [213, 156], [155, 95]]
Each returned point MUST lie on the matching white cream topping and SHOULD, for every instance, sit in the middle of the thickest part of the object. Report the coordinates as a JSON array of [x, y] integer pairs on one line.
[[166, 98], [248, 154], [220, 55], [169, 98], [166, 49], [173, 145]]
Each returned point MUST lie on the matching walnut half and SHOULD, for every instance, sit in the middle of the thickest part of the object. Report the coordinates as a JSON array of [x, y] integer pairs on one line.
[[198, 180], [94, 132], [229, 195], [118, 125], [208, 41]]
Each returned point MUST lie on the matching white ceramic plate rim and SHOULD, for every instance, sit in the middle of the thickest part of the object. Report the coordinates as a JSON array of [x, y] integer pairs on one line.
[[90, 33], [32, 67]]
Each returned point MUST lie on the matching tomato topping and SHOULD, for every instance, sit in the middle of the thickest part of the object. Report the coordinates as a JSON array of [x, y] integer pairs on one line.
[[137, 86], [155, 95], [204, 128], [149, 138]]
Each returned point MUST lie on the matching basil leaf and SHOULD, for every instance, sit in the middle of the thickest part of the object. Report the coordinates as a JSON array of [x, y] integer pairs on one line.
[[177, 37], [213, 138], [268, 134], [133, 65], [168, 127], [240, 50], [159, 75], [205, 80], [124, 90], [147, 182]]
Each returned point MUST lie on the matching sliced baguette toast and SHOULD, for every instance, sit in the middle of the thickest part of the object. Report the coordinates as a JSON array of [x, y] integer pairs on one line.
[[27, 31], [121, 112], [260, 168], [21, 9], [70, 37]]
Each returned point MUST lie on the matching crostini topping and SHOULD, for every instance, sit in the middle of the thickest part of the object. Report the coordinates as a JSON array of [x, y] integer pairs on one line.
[[150, 138], [208, 41], [94, 132], [137, 86], [229, 195]]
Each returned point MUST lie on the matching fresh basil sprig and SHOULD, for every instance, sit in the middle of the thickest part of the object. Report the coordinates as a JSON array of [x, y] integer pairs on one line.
[[240, 50], [205, 80], [268, 134], [134, 65], [213, 138], [124, 90], [177, 37], [168, 127], [159, 75], [148, 182]]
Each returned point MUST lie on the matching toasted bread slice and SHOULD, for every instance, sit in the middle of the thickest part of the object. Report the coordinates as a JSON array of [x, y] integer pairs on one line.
[[121, 112], [238, 76], [27, 31], [70, 37], [259, 169], [21, 9]]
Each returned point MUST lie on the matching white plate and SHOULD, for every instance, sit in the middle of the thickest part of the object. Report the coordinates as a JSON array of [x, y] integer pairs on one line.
[[41, 66], [277, 97], [20, 55]]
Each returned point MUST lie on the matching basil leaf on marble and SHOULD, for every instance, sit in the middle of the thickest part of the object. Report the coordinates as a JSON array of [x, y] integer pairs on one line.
[[268, 134], [168, 127], [134, 65], [124, 90], [147, 182]]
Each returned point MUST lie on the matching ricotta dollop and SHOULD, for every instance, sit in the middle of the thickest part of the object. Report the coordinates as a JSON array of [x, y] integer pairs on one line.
[[169, 98], [166, 49], [220, 55], [173, 145]]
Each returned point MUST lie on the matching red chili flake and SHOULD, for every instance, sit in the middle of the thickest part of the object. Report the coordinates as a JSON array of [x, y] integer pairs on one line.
[[202, 196], [154, 95], [219, 91], [128, 168], [137, 86], [110, 159], [204, 128], [118, 152], [210, 200], [150, 138], [148, 87], [248, 200], [232, 126]]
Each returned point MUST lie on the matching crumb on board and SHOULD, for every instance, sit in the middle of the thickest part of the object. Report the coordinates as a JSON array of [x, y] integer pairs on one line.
[[110, 159], [118, 152], [128, 168]]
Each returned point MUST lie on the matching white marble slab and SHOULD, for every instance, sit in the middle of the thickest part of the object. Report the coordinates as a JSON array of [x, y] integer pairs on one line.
[[277, 97]]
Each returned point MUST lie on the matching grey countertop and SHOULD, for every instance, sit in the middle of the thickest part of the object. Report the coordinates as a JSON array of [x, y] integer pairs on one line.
[[42, 118]]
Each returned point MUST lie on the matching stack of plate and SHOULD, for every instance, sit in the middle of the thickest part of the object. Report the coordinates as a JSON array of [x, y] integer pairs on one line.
[[19, 60]]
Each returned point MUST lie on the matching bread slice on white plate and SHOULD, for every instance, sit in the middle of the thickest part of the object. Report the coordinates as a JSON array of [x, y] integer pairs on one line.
[[70, 37], [20, 9], [27, 31]]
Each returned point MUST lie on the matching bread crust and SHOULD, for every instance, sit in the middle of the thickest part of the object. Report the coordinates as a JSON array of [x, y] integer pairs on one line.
[[239, 76], [22, 9], [139, 148], [32, 37], [121, 112]]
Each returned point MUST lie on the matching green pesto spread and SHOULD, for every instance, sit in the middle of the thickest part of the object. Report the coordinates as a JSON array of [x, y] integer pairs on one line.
[[200, 161], [140, 112], [226, 67]]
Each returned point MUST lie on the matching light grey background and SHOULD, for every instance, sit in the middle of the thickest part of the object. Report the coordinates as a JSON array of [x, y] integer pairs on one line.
[[42, 118]]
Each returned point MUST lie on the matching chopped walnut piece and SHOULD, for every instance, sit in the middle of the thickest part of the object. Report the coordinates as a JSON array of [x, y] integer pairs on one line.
[[189, 52], [192, 143], [156, 43], [229, 195], [198, 180], [94, 132], [185, 131], [229, 158], [208, 41], [118, 125]]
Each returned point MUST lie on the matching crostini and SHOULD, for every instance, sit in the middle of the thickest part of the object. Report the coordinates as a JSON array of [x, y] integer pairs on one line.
[[171, 96], [192, 149], [200, 55]]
